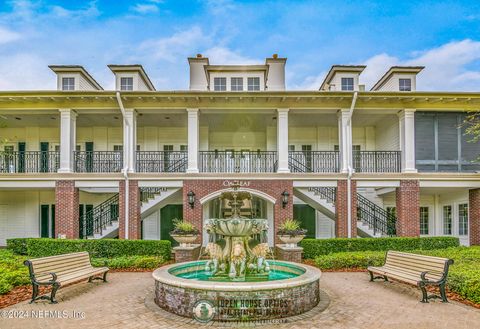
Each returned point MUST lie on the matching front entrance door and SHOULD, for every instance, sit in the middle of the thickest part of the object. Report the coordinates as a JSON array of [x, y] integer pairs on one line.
[[44, 157], [306, 215], [89, 156], [44, 221], [167, 215]]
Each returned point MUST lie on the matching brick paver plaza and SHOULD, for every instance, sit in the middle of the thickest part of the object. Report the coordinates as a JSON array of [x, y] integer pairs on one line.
[[354, 303]]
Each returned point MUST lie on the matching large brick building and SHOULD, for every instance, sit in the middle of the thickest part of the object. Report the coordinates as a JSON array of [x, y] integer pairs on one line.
[[83, 162]]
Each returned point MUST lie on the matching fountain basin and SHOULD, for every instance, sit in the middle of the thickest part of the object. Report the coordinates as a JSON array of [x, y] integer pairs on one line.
[[292, 289]]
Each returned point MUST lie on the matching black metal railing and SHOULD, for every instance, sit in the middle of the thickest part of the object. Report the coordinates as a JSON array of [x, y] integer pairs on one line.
[[96, 220], [313, 161], [161, 161], [98, 161], [377, 218], [377, 161], [238, 161], [29, 162], [147, 193], [327, 193]]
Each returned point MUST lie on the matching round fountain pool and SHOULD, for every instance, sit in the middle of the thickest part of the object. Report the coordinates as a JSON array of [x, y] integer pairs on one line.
[[288, 289]]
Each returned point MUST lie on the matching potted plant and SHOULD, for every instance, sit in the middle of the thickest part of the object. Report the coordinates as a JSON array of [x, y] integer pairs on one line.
[[291, 233], [184, 232]]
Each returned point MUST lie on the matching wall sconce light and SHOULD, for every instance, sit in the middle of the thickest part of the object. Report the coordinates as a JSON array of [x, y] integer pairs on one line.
[[191, 199], [285, 196]]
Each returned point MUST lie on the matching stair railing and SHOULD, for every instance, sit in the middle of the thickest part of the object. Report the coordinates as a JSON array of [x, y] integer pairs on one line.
[[97, 219]]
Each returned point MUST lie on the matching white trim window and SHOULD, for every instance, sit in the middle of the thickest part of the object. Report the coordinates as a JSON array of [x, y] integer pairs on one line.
[[347, 84], [405, 84], [236, 84], [68, 83], [219, 84], [253, 84], [447, 220], [424, 220], [126, 83], [463, 219]]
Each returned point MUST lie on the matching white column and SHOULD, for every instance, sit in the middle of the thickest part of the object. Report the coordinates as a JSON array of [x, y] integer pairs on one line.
[[345, 140], [130, 139], [193, 140], [68, 125], [407, 140], [282, 140]]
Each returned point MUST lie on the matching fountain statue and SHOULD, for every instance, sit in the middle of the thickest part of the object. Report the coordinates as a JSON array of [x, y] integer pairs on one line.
[[233, 250]]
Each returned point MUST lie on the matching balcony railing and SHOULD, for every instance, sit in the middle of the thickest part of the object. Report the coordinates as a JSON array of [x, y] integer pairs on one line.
[[237, 162], [98, 161], [377, 161], [29, 162], [313, 161], [161, 161]]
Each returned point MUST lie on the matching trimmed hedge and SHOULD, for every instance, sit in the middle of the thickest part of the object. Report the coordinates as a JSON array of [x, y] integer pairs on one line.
[[101, 248], [463, 276], [129, 262], [12, 271], [316, 247]]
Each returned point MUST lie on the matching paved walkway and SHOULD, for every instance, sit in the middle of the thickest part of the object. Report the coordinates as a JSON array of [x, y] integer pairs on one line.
[[354, 303]]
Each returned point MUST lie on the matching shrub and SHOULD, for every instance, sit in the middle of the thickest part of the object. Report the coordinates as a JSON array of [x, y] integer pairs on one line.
[[291, 227], [129, 262], [316, 247], [182, 227], [348, 260], [12, 271], [17, 245], [42, 247]]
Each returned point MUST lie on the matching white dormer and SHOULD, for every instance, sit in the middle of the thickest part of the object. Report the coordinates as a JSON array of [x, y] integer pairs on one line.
[[343, 78], [131, 78], [204, 76], [399, 78], [74, 77]]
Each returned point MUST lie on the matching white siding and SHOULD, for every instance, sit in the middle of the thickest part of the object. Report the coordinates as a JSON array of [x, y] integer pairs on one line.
[[244, 75], [32, 136], [151, 226], [388, 135], [393, 83], [336, 82], [237, 140]]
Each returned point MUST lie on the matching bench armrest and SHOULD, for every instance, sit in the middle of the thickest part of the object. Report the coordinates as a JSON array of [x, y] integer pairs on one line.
[[53, 280], [424, 274]]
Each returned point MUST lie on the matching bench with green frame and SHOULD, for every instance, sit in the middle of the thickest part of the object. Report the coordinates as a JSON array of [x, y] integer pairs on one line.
[[419, 270], [60, 270]]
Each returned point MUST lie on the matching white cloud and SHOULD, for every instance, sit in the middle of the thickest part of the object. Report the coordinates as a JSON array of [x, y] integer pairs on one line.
[[224, 55], [145, 8], [23, 71], [90, 11], [447, 68], [7, 36]]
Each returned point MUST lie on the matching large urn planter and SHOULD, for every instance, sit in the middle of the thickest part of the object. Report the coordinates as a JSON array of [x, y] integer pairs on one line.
[[185, 240], [290, 241]]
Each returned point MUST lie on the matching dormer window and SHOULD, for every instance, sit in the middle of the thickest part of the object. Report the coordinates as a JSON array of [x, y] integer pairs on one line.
[[237, 84], [405, 84], [220, 84], [68, 83], [253, 84], [126, 83], [347, 84]]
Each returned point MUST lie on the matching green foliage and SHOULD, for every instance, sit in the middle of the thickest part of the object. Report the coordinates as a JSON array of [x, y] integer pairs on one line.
[[129, 262], [291, 227], [12, 271], [42, 247], [182, 227], [316, 247], [463, 277]]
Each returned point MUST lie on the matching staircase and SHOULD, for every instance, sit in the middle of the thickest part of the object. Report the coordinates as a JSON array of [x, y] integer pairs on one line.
[[373, 220], [102, 221]]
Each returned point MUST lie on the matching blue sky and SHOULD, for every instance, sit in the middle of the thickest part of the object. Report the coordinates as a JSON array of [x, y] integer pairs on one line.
[[160, 34]]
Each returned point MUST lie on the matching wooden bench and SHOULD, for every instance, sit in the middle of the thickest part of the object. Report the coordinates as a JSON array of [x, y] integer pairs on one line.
[[415, 269], [57, 271]]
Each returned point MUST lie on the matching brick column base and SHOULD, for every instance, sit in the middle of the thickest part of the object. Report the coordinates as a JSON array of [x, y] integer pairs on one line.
[[66, 209], [134, 214], [341, 209], [288, 254], [408, 208], [474, 216], [186, 254]]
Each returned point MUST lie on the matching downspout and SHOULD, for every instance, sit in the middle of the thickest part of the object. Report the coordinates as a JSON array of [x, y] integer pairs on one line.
[[125, 165], [350, 169]]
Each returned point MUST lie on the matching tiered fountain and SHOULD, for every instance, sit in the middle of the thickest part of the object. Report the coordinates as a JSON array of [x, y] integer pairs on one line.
[[238, 281]]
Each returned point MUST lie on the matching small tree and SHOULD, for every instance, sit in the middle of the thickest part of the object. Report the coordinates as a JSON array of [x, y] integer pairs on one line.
[[472, 126]]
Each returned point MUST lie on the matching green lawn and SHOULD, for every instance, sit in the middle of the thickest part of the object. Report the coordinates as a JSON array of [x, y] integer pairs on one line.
[[463, 278]]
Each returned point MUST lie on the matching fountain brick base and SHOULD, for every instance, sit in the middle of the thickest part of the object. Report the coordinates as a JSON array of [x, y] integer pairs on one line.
[[288, 254], [187, 254]]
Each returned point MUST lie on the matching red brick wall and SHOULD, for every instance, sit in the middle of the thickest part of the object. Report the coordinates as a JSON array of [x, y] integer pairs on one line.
[[134, 215], [408, 208], [341, 209], [474, 216], [202, 188], [66, 209]]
